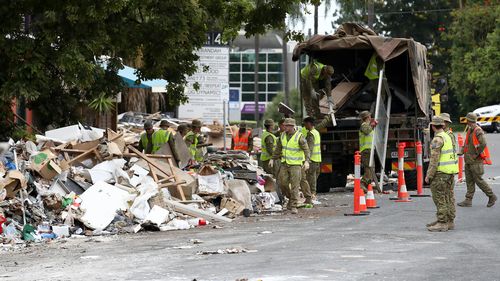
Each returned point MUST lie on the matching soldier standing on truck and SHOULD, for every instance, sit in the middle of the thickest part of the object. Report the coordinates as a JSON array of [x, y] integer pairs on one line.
[[315, 82], [365, 146], [441, 176], [476, 154]]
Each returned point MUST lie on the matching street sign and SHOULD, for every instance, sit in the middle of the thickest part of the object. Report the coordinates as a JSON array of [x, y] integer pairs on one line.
[[206, 103]]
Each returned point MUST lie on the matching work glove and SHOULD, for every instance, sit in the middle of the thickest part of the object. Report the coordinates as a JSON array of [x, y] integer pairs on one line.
[[374, 123], [306, 166]]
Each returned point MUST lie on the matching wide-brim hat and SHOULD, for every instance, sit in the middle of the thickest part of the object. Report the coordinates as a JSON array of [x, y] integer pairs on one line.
[[437, 121], [471, 117], [289, 122], [445, 117]]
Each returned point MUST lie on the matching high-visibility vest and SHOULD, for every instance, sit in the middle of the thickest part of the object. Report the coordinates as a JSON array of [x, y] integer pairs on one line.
[[241, 141], [316, 148], [264, 155], [453, 141], [192, 148], [160, 138], [291, 152], [485, 155], [144, 140], [365, 141], [371, 71], [304, 72], [448, 159]]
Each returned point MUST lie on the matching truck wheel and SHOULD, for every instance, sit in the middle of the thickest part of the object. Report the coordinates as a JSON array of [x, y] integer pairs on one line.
[[411, 179], [324, 183]]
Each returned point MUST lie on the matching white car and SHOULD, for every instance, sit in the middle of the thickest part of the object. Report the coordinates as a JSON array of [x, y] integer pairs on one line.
[[489, 111]]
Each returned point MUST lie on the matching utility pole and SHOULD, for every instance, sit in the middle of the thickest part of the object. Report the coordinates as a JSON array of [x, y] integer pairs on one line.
[[460, 4], [316, 19], [371, 13], [284, 50], [256, 78]]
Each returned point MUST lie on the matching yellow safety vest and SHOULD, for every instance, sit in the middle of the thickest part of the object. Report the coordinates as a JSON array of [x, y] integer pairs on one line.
[[365, 141], [160, 138], [372, 69], [304, 72], [144, 140], [264, 155], [291, 151], [448, 162], [316, 149], [454, 142], [192, 148]]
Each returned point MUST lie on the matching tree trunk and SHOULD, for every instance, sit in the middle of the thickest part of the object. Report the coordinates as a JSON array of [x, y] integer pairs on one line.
[[316, 19], [371, 13], [286, 85], [256, 77]]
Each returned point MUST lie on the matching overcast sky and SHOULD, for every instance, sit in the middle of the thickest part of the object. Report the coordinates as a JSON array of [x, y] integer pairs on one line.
[[324, 21]]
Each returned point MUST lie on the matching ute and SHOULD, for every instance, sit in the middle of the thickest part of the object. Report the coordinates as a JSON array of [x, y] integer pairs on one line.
[[406, 77]]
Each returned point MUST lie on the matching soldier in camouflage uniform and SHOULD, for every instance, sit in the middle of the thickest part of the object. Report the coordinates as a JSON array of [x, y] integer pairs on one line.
[[450, 194], [365, 142], [474, 167], [268, 142], [441, 175], [294, 153], [315, 82]]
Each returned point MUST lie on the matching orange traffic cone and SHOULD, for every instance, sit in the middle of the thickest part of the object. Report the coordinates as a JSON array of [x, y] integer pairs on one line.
[[357, 188], [362, 202], [403, 193], [371, 203]]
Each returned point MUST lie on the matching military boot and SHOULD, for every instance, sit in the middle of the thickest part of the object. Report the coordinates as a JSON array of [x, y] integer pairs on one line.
[[492, 201], [438, 227], [431, 224], [451, 225], [465, 203]]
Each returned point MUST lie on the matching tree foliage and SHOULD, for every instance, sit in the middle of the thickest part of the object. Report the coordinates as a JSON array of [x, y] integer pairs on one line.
[[475, 56], [52, 52], [272, 108]]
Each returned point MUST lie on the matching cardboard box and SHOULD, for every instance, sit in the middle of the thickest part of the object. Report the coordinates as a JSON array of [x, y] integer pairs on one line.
[[12, 183], [43, 164], [232, 206]]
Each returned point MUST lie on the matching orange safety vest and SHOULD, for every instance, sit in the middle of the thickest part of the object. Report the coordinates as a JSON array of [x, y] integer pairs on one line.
[[485, 155], [241, 142]]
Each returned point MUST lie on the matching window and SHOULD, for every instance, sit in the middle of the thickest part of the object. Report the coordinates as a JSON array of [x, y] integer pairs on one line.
[[248, 57], [247, 97], [274, 67], [262, 87], [274, 77], [247, 87], [262, 78], [262, 57], [247, 67], [262, 67], [235, 85], [262, 97], [274, 58], [234, 77], [270, 96], [274, 87], [234, 57], [235, 67], [247, 77]]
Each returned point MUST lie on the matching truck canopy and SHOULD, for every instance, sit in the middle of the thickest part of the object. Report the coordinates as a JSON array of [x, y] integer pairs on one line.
[[349, 51]]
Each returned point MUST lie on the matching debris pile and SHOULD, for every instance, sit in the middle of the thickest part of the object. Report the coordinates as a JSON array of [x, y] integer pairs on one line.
[[79, 180]]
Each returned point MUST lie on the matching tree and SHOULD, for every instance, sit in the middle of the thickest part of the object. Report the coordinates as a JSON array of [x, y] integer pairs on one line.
[[475, 56], [272, 108], [54, 63]]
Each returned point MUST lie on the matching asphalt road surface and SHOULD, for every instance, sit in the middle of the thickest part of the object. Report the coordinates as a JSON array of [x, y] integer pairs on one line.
[[391, 243]]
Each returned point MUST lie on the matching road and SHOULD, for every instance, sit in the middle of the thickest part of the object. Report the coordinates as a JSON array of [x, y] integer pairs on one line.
[[391, 243]]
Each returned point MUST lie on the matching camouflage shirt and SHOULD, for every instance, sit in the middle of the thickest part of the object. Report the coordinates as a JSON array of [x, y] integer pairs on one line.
[[436, 145], [472, 154], [269, 143], [366, 128]]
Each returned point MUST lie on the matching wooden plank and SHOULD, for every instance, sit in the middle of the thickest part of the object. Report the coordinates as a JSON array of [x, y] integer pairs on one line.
[[190, 211], [149, 160], [171, 184], [81, 156], [153, 174], [177, 179], [97, 155]]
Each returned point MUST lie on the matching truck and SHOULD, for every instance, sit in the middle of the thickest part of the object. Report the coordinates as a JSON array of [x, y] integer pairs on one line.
[[407, 77]]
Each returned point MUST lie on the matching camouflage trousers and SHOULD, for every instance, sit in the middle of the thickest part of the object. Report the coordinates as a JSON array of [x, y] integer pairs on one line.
[[289, 180], [368, 174], [442, 192], [304, 185], [474, 175], [312, 176]]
